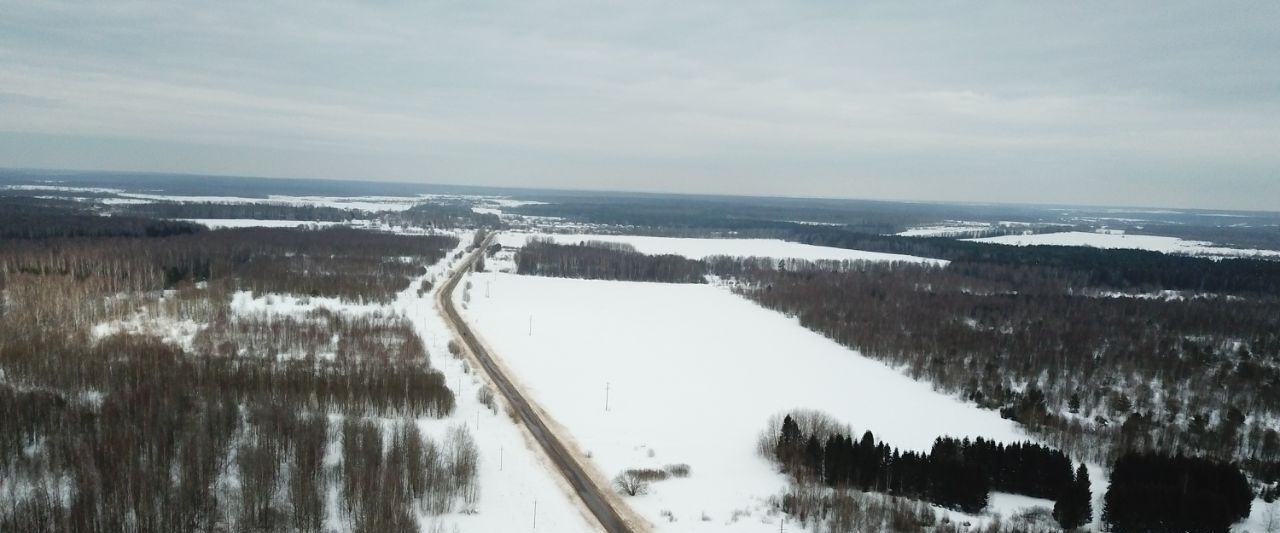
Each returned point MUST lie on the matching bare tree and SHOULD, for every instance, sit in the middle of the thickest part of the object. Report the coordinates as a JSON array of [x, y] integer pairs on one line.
[[631, 483]]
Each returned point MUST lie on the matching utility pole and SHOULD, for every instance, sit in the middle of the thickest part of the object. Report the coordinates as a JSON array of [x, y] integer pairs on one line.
[[500, 454], [530, 325], [535, 514], [606, 396]]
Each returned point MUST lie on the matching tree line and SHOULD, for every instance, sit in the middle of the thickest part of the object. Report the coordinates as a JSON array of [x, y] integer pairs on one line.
[[338, 262], [23, 217], [610, 261], [1118, 269], [956, 473], [442, 215], [256, 211]]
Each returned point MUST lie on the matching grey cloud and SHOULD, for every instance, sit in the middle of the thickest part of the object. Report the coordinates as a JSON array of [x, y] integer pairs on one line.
[[1170, 103]]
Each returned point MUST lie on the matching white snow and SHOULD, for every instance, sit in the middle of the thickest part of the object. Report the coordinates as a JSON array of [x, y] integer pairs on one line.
[[247, 303], [366, 203], [1010, 504], [1170, 245], [219, 223], [58, 188], [693, 373], [176, 332], [513, 472], [1263, 517], [509, 202], [949, 228], [695, 248]]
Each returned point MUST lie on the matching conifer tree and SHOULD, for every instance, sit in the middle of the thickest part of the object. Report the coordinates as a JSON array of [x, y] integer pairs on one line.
[[1074, 508]]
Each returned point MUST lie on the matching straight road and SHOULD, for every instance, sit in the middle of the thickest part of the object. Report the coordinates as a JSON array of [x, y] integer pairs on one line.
[[591, 495]]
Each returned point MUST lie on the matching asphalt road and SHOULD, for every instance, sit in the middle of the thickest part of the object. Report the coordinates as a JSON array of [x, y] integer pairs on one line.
[[590, 494]]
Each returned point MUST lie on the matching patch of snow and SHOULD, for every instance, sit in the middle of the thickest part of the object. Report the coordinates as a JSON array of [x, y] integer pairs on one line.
[[1010, 504], [59, 188], [1169, 245], [509, 202], [948, 229], [176, 332], [812, 223], [220, 223], [246, 303]]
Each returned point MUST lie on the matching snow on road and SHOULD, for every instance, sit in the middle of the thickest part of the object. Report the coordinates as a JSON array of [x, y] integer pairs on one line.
[[692, 374], [514, 476], [1170, 245], [702, 248]]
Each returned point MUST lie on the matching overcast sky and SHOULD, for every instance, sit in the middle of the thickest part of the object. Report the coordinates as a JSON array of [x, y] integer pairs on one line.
[[1161, 103]]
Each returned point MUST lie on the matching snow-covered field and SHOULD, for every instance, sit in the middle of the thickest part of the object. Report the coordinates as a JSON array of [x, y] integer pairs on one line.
[[950, 228], [1170, 245], [703, 248], [219, 223], [692, 374]]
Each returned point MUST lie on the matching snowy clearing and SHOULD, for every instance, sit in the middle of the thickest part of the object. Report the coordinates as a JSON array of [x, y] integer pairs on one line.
[[221, 223], [1010, 504], [692, 374], [1169, 245], [704, 248]]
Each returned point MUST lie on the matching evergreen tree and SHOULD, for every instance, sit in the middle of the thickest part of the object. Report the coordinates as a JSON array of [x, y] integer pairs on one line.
[[789, 441], [1151, 492], [1074, 507], [813, 457]]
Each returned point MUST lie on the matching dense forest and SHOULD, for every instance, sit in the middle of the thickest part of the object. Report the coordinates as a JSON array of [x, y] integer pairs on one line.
[[106, 426], [442, 215], [1154, 493], [259, 211], [955, 473], [338, 262], [1075, 266], [1095, 374], [24, 217], [602, 260]]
